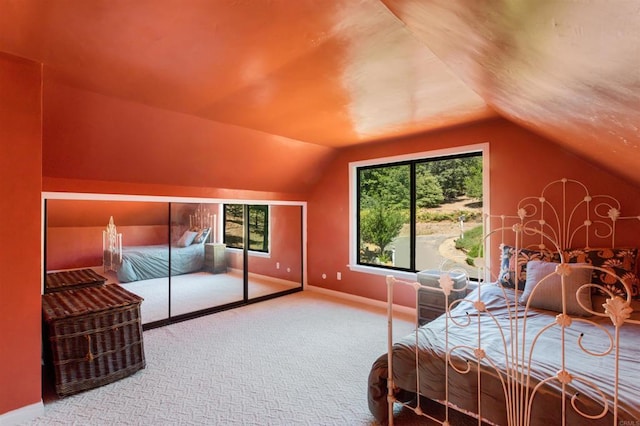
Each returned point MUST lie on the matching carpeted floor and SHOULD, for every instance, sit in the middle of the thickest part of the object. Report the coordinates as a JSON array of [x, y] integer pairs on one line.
[[301, 359]]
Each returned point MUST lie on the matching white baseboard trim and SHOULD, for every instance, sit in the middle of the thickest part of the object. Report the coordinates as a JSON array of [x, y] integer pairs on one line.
[[22, 415], [360, 299]]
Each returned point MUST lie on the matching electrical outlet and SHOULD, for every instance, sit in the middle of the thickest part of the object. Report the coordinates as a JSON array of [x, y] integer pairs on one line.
[[324, 276], [277, 265], [339, 276]]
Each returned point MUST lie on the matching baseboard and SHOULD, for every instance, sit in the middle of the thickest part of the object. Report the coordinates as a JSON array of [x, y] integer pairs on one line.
[[22, 415], [360, 299]]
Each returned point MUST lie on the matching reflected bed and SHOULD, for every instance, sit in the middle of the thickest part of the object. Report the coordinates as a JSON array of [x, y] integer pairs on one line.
[[146, 262]]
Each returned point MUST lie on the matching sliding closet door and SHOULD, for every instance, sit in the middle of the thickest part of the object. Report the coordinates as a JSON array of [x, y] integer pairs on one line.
[[184, 259], [233, 238], [274, 261], [115, 239], [200, 277], [145, 239]]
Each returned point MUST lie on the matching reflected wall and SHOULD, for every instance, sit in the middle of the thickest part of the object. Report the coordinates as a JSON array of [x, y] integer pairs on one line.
[[281, 268]]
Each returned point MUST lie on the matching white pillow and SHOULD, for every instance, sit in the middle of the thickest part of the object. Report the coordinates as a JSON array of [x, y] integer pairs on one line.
[[542, 276], [186, 239]]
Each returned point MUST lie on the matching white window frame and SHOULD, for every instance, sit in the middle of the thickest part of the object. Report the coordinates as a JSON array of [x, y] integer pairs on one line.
[[353, 201]]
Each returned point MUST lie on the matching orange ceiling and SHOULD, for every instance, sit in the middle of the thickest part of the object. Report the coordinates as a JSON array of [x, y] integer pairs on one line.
[[342, 72], [328, 72], [569, 70]]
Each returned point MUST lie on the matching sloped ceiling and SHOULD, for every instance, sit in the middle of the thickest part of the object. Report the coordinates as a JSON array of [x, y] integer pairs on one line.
[[569, 70], [336, 73]]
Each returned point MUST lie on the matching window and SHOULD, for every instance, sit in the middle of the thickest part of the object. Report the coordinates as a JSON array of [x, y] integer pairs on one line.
[[258, 223], [420, 212]]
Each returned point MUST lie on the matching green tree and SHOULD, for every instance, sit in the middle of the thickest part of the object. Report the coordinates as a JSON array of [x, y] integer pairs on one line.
[[379, 226], [428, 191], [473, 182], [452, 174], [389, 185]]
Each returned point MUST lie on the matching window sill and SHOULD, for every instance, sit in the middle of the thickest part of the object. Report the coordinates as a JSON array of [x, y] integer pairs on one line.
[[401, 275]]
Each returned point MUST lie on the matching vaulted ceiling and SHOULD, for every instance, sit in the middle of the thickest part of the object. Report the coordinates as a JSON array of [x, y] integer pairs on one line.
[[337, 73]]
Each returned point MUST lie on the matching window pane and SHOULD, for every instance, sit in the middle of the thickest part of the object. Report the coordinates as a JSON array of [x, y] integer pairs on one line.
[[449, 214], [384, 212], [259, 228], [258, 222], [233, 225]]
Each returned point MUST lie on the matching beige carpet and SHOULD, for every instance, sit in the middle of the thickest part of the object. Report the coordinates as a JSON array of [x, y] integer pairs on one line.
[[301, 359]]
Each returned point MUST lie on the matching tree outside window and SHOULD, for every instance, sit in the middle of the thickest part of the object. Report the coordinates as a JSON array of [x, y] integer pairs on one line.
[[420, 214], [257, 221]]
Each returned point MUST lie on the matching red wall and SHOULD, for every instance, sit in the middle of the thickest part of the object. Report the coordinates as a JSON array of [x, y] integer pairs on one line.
[[89, 136], [521, 163], [20, 232], [52, 184]]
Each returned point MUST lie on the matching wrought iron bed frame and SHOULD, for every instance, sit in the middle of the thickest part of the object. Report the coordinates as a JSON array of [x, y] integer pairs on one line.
[[591, 218]]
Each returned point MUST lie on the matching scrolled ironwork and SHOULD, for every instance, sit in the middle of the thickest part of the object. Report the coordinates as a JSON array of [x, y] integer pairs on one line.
[[554, 226]]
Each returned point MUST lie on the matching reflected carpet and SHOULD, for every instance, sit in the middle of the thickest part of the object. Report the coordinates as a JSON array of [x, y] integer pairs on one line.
[[196, 291]]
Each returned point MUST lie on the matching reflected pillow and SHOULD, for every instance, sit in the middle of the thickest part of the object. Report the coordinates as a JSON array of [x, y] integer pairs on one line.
[[542, 277], [186, 239], [201, 236]]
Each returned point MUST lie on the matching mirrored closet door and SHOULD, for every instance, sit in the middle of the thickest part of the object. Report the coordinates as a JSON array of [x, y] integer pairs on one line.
[[185, 259], [200, 278], [126, 242], [274, 261]]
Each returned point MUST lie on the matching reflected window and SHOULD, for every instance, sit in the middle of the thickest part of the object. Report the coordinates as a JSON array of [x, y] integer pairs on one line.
[[257, 221]]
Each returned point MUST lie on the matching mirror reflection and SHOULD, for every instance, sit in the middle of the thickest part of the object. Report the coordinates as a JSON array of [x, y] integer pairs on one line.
[[117, 240], [275, 256], [199, 278], [184, 259]]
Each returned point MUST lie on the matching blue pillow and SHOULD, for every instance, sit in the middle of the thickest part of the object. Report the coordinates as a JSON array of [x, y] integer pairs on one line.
[[542, 277]]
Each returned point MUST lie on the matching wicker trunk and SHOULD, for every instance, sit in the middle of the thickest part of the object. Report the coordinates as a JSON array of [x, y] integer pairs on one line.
[[95, 336]]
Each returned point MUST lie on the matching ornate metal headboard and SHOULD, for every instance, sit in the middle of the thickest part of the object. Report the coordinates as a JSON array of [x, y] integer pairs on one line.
[[569, 230], [564, 216], [567, 214]]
